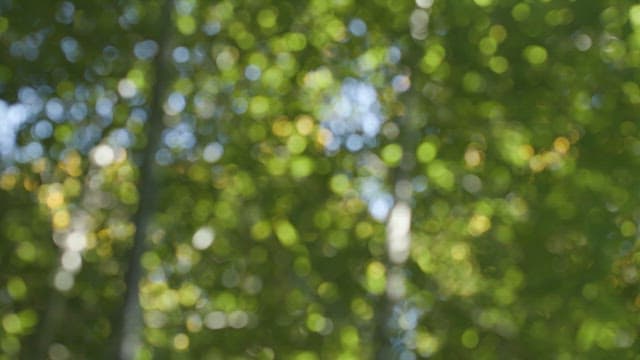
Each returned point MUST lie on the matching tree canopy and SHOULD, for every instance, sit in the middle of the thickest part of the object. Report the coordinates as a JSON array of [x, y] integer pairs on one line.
[[323, 179]]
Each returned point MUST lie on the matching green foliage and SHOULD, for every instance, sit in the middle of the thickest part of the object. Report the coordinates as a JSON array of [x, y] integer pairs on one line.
[[290, 130]]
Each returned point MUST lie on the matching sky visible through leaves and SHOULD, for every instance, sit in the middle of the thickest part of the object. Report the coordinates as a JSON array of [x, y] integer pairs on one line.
[[323, 179]]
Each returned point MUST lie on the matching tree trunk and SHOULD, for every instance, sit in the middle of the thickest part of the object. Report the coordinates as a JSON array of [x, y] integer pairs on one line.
[[388, 336], [127, 336]]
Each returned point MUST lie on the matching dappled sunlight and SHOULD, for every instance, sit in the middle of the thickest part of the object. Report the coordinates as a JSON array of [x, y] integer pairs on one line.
[[311, 180]]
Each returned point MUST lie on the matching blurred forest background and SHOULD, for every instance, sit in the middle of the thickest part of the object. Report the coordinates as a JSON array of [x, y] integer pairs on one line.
[[322, 179]]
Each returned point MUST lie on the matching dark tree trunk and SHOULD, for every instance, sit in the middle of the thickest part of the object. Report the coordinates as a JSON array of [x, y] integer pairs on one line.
[[127, 332]]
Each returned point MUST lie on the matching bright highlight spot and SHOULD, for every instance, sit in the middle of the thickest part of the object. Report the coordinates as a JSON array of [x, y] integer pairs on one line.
[[634, 15], [478, 225], [561, 145], [215, 320], [534, 54], [426, 152], [71, 261], [483, 3], [213, 152], [76, 241], [181, 342], [203, 238], [103, 155], [63, 280], [398, 237], [127, 88]]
